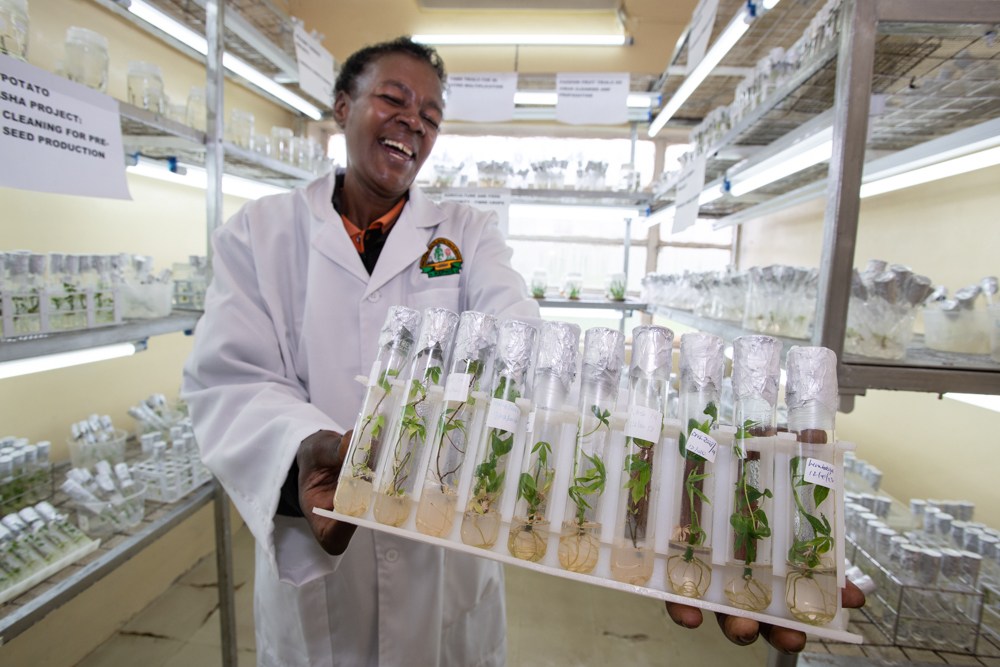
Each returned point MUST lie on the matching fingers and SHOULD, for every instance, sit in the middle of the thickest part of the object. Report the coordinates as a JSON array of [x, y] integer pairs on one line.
[[683, 615], [851, 596], [737, 629], [782, 639]]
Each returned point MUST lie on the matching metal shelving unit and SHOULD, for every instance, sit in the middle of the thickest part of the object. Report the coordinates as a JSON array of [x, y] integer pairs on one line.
[[33, 605]]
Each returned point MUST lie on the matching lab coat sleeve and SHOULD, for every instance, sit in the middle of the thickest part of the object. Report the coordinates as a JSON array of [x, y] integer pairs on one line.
[[493, 285], [249, 410]]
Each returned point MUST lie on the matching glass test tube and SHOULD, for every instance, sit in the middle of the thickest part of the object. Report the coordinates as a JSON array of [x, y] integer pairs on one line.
[[811, 395], [354, 488], [756, 372], [555, 370], [648, 383], [580, 535], [413, 418], [689, 570], [511, 380], [472, 355]]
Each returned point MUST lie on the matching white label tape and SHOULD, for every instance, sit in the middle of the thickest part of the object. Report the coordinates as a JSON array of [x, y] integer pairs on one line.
[[643, 423], [820, 472], [503, 415], [702, 444], [456, 387]]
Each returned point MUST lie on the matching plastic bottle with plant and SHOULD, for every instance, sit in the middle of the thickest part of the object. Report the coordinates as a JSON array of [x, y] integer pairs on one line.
[[555, 370], [756, 369], [632, 555], [689, 569], [459, 418], [398, 470], [515, 349], [580, 535], [354, 487], [811, 394]]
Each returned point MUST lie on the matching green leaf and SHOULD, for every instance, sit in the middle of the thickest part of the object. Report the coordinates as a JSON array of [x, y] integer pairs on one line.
[[819, 494]]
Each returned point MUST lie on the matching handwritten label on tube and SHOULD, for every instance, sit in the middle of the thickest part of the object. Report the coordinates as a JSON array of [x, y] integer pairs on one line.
[[456, 387], [503, 415], [643, 423], [703, 445], [820, 472]]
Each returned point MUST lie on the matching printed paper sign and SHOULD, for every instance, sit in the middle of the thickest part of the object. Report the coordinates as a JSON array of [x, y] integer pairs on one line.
[[503, 415], [702, 22], [643, 423], [820, 472], [315, 67], [57, 135], [689, 186], [592, 99], [456, 387], [703, 445], [481, 98], [486, 199]]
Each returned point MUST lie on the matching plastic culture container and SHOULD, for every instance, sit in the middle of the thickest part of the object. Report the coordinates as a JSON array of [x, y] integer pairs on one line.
[[554, 374], [689, 570], [86, 59], [615, 288], [14, 28], [811, 396], [580, 536], [398, 471], [539, 283], [649, 380], [354, 488], [471, 357], [756, 371], [515, 350], [572, 286]]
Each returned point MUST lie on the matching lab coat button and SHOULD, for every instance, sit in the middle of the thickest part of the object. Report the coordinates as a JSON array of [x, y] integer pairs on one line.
[[374, 296], [391, 556]]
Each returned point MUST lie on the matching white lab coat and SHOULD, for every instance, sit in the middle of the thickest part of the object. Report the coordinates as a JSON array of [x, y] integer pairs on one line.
[[291, 318]]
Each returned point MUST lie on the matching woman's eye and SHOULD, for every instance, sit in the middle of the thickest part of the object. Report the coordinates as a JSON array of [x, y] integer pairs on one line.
[[392, 100], [432, 122]]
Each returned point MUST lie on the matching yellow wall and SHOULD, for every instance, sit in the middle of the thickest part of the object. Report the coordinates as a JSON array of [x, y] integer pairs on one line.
[[947, 230], [163, 220]]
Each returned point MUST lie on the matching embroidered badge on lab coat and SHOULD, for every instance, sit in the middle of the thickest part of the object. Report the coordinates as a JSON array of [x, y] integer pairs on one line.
[[441, 259]]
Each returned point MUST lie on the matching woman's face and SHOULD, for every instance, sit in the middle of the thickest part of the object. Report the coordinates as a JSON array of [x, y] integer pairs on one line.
[[391, 122]]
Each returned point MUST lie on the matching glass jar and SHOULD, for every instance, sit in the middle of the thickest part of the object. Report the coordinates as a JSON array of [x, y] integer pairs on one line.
[[239, 131], [145, 86], [615, 287], [572, 286], [86, 58], [195, 114], [539, 283], [281, 144], [14, 28]]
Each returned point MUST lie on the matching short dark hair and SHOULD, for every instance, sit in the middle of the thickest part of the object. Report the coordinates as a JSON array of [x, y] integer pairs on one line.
[[356, 63]]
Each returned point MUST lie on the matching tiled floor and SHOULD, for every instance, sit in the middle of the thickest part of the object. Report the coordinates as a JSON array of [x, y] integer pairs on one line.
[[588, 625]]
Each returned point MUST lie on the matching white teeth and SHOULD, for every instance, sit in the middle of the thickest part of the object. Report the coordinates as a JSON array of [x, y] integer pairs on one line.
[[398, 146]]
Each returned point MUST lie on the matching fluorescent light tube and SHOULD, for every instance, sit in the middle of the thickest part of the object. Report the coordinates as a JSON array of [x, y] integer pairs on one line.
[[48, 362], [953, 167], [197, 42], [549, 98], [196, 177], [523, 40], [736, 28]]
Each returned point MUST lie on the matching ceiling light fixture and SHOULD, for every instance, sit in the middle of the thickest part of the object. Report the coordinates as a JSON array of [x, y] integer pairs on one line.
[[729, 37], [48, 362], [193, 40], [558, 39]]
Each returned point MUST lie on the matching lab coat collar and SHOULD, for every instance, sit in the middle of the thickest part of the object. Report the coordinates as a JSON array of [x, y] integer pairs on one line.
[[407, 241]]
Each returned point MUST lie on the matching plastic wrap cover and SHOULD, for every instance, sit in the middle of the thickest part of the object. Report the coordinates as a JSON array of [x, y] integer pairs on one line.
[[400, 328], [437, 328], [701, 362], [756, 368], [603, 355], [558, 347], [811, 388], [651, 350], [515, 346], [476, 337]]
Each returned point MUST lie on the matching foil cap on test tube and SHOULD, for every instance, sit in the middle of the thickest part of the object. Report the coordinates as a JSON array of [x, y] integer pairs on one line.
[[701, 362], [756, 368], [652, 349], [811, 391], [603, 355], [558, 347], [476, 336], [437, 329], [515, 347], [400, 328]]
